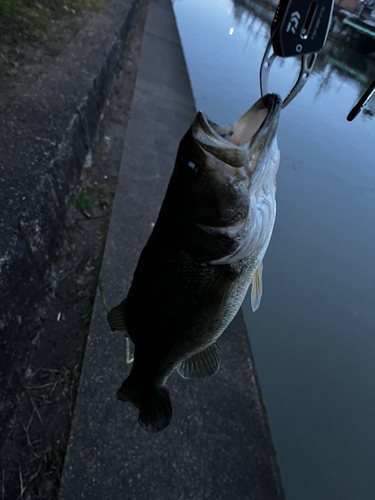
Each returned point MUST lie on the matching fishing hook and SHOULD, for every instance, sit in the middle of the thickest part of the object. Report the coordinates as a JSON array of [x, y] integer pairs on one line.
[[307, 65]]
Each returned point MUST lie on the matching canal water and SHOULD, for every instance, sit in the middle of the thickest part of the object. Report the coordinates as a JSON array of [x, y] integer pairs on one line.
[[313, 336]]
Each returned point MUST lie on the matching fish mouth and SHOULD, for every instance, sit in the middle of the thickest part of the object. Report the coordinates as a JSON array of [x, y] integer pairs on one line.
[[251, 136], [268, 129]]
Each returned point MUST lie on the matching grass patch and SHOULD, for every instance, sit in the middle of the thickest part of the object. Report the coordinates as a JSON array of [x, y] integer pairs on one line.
[[33, 17], [86, 315], [100, 196], [102, 296], [106, 191], [83, 201], [104, 196], [73, 233]]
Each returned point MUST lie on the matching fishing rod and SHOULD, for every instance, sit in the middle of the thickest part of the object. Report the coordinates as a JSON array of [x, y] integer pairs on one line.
[[362, 101]]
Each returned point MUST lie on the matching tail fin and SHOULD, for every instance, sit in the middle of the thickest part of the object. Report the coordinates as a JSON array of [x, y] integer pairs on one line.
[[155, 408], [155, 413]]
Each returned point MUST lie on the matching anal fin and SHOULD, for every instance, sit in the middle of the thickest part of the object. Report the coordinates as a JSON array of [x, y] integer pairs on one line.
[[116, 318], [203, 364]]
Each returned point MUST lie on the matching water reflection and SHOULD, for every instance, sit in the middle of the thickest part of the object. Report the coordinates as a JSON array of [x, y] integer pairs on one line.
[[313, 336], [348, 54]]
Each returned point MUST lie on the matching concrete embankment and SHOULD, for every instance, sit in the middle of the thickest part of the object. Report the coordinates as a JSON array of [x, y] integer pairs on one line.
[[44, 139], [219, 444]]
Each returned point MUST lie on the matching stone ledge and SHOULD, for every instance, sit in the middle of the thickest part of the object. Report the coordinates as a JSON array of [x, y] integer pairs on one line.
[[218, 445]]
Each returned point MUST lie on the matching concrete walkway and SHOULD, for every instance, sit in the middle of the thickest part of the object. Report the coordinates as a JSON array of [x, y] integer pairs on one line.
[[218, 445]]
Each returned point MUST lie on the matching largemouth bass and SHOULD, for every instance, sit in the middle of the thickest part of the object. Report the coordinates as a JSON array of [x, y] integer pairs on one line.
[[205, 250]]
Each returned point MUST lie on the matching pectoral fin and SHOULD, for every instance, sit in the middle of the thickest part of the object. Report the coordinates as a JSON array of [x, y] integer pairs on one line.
[[202, 364], [116, 318], [257, 288], [220, 290]]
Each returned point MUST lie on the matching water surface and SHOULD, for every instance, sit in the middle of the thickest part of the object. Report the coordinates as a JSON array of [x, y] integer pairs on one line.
[[313, 337]]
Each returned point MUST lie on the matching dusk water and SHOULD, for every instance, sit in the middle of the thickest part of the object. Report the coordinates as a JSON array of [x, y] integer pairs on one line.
[[313, 337]]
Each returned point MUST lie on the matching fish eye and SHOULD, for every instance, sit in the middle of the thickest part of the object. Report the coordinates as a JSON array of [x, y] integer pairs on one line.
[[193, 167]]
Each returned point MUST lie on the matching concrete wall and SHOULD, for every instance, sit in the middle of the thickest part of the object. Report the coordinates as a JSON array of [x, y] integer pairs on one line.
[[44, 138]]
